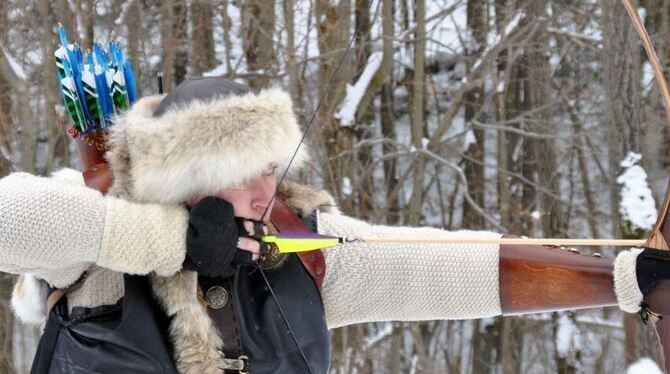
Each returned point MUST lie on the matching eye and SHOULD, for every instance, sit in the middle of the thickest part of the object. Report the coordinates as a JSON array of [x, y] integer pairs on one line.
[[270, 170]]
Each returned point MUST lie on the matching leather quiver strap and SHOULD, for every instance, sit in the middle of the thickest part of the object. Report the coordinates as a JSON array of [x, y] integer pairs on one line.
[[283, 218], [216, 292], [96, 171]]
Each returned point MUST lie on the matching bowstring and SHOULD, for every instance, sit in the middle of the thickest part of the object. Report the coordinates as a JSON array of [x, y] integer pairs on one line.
[[288, 166], [283, 316]]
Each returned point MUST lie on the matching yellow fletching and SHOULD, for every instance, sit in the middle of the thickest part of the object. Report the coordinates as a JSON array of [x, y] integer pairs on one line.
[[291, 245]]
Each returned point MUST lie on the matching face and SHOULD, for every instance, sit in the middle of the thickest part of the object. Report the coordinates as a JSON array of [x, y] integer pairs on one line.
[[251, 200]]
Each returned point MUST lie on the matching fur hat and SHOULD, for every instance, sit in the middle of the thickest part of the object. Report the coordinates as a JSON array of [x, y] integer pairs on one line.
[[207, 134]]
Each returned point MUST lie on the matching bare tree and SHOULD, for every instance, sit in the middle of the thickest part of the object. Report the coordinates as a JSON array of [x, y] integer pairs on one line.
[[413, 216], [202, 35], [259, 21]]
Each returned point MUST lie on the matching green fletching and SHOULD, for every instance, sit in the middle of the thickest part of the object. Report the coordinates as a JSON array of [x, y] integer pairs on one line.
[[61, 54], [93, 99], [72, 104], [118, 92]]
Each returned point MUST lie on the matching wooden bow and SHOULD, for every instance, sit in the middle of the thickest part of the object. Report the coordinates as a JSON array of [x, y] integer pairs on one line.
[[661, 229]]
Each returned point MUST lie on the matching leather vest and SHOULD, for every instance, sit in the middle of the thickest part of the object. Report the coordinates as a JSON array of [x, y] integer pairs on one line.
[[264, 334], [128, 337], [132, 335]]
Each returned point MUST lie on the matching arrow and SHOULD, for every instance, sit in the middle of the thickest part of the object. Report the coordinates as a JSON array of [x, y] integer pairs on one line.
[[298, 242]]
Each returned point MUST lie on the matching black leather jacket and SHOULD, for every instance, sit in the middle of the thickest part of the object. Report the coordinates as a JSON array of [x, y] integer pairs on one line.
[[131, 337]]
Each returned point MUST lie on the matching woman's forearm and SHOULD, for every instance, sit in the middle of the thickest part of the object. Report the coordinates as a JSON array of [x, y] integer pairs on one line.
[[57, 229], [405, 281]]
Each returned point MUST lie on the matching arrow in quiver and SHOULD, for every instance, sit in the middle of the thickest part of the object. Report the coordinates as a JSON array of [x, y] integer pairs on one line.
[[94, 88]]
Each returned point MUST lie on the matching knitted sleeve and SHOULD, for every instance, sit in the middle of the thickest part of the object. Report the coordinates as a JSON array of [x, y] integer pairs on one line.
[[407, 282], [56, 230]]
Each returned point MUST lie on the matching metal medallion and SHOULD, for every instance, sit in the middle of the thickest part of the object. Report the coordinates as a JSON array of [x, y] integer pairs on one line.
[[216, 297], [273, 259]]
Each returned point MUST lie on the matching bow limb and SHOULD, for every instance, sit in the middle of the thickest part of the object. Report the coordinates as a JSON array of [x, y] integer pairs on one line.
[[661, 230]]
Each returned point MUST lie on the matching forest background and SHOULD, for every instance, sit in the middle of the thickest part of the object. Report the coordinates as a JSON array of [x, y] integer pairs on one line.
[[502, 115]]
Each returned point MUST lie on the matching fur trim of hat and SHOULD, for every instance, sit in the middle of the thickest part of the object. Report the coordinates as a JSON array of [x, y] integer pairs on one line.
[[198, 148]]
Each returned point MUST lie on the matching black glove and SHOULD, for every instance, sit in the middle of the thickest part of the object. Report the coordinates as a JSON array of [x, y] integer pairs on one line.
[[652, 265], [212, 237]]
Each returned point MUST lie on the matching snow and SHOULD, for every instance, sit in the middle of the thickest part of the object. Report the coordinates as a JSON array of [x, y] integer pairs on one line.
[[644, 365], [535, 214], [647, 76], [347, 112], [217, 71], [495, 38], [346, 186], [154, 61], [565, 335], [122, 14], [500, 87], [469, 139], [643, 14], [18, 70], [447, 30], [637, 203], [424, 142], [385, 331]]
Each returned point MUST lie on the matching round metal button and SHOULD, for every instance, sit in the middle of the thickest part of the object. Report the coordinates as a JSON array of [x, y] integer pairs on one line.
[[274, 259], [216, 297]]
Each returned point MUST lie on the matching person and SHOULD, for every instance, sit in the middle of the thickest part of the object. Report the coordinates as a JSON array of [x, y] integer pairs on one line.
[[166, 272]]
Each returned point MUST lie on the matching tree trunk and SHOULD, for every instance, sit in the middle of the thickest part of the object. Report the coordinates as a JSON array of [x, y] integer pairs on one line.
[[621, 54], [27, 127], [226, 24], [258, 22], [6, 325], [174, 43], [553, 219], [88, 12], [6, 319], [58, 141], [133, 23], [295, 85], [474, 99], [333, 28], [202, 29], [414, 215], [182, 41], [6, 122], [387, 116], [365, 117]]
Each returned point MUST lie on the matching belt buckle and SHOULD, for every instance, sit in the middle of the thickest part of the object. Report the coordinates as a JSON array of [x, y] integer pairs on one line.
[[245, 360]]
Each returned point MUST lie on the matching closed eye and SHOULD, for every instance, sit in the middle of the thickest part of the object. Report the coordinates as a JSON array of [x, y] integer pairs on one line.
[[270, 170]]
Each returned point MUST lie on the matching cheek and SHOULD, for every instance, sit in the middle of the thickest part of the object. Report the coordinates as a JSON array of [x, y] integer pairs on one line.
[[238, 199]]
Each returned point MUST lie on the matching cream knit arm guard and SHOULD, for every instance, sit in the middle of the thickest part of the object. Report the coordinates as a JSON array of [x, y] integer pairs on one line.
[[407, 282], [56, 230], [627, 291]]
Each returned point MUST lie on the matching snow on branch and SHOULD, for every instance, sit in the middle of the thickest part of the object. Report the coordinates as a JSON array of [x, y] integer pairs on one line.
[[644, 365], [13, 64], [637, 203], [347, 112], [495, 40]]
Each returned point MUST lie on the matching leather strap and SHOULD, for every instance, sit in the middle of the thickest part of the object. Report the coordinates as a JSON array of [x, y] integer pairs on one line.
[[98, 177], [216, 293], [284, 218], [58, 293]]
